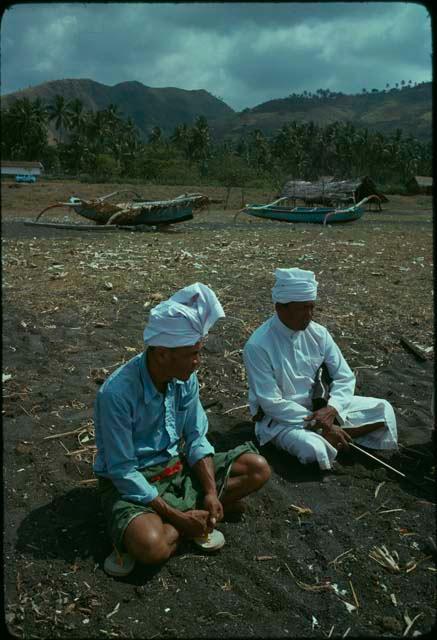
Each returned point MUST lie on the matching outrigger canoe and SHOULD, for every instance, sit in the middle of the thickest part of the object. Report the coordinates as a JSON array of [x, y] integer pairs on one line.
[[318, 215], [133, 212]]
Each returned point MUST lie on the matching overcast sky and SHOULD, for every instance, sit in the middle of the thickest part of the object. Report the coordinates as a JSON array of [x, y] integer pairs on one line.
[[244, 53]]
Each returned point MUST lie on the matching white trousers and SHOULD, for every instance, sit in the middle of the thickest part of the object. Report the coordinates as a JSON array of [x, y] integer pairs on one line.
[[308, 446]]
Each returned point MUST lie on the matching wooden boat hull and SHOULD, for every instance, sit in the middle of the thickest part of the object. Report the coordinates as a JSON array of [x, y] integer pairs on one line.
[[134, 213], [166, 215], [311, 215]]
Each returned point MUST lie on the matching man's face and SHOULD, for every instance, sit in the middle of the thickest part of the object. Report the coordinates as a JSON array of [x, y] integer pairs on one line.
[[181, 362], [296, 315]]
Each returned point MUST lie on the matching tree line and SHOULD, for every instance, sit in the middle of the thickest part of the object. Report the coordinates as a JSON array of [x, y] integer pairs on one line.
[[321, 94], [101, 145]]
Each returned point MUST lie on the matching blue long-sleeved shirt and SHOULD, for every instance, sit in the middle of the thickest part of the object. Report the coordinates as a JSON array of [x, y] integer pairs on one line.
[[136, 426]]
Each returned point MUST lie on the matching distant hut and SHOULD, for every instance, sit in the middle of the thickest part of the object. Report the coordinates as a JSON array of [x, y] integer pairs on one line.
[[330, 192], [21, 167], [419, 184]]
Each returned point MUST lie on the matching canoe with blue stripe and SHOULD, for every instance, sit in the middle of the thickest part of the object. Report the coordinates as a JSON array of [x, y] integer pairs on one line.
[[317, 215]]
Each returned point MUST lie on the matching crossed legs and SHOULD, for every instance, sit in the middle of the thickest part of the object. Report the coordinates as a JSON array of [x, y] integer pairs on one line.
[[356, 432], [149, 540], [309, 446]]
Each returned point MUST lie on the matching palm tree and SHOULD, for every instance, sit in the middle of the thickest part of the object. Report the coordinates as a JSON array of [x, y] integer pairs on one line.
[[180, 135], [98, 130], [155, 137], [199, 140], [40, 111], [24, 132], [113, 116], [60, 113], [76, 115]]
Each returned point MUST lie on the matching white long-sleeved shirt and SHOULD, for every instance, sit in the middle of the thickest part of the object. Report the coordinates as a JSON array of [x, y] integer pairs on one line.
[[281, 366]]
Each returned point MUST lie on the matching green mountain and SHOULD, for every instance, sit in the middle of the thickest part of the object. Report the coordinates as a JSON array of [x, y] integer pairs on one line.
[[148, 107], [408, 108]]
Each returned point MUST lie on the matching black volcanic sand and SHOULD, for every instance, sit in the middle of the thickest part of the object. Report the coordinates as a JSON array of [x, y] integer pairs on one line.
[[74, 306]]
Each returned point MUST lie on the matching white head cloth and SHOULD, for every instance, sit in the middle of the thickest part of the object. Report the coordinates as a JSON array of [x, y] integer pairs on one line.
[[294, 285], [183, 319]]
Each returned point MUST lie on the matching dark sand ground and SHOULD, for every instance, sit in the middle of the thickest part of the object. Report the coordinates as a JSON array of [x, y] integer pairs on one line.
[[74, 306]]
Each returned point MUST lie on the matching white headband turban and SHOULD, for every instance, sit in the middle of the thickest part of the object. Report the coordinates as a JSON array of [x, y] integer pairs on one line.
[[294, 285], [183, 319]]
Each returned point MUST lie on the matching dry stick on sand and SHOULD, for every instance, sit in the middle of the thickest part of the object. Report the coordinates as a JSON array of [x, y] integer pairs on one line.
[[308, 587], [410, 622], [411, 347], [419, 453], [63, 445], [302, 511], [68, 453], [29, 414], [66, 433], [385, 558], [354, 446], [243, 406], [414, 565], [381, 484], [354, 594], [417, 484], [83, 449], [340, 556]]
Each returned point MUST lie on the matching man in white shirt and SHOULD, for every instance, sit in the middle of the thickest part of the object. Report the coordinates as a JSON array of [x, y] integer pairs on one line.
[[282, 358]]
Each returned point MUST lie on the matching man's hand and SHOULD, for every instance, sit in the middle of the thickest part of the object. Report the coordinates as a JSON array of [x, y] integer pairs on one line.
[[337, 437], [215, 509], [193, 523], [322, 418]]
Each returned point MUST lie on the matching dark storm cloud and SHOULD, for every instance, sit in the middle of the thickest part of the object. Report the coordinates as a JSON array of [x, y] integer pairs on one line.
[[246, 53], [229, 17]]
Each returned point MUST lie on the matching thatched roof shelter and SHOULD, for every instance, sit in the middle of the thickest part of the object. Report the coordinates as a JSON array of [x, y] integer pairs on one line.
[[420, 184], [331, 192]]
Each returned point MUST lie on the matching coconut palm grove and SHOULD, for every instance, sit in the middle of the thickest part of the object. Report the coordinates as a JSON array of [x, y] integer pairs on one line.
[[99, 145]]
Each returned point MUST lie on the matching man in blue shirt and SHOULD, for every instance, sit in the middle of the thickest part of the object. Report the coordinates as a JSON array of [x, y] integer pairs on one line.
[[159, 477]]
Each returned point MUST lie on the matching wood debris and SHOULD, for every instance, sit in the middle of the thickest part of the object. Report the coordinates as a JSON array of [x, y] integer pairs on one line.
[[381, 484], [243, 406], [414, 349], [357, 604], [114, 611], [410, 622], [385, 558], [412, 564], [301, 511], [342, 555], [326, 586]]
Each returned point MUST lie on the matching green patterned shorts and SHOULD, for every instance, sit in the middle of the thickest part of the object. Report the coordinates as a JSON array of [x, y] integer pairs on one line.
[[181, 491]]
